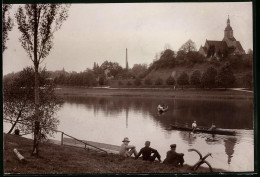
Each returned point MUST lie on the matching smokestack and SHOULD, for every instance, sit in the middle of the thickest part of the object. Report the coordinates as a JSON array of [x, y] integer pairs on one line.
[[126, 66]]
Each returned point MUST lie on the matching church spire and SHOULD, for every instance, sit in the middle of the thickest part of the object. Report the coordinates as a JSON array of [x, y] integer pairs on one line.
[[228, 21]]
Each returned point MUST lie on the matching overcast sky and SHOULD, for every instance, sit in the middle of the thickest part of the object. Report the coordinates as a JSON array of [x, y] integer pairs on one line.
[[99, 32]]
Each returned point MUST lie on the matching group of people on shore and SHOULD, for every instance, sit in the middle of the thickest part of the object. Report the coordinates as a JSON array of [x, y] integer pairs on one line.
[[150, 154]]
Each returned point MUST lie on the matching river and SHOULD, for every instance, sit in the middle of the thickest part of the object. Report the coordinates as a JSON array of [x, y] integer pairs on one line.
[[110, 119]]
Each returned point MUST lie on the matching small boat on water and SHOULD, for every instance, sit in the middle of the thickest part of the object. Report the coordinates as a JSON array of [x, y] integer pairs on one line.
[[204, 130], [163, 109]]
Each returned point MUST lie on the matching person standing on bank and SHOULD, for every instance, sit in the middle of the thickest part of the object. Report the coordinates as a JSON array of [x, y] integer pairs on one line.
[[147, 152], [127, 150], [172, 157]]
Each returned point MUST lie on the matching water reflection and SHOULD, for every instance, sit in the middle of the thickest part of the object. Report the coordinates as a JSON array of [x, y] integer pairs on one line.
[[226, 114], [109, 119], [229, 147]]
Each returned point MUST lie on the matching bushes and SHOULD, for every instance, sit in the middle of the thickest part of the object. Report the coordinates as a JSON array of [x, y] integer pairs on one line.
[[225, 77], [170, 81], [148, 81], [159, 81], [137, 82], [208, 78], [195, 78], [183, 79]]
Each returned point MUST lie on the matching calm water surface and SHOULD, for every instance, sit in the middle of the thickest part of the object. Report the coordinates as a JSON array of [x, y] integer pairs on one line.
[[110, 119]]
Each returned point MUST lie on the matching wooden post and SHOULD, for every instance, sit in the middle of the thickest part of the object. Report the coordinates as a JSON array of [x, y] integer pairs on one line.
[[61, 138], [19, 156]]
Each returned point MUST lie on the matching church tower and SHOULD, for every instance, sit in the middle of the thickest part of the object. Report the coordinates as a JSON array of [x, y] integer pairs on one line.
[[126, 65], [228, 33]]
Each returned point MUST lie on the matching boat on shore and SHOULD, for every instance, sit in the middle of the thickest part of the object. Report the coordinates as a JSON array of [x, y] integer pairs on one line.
[[204, 130]]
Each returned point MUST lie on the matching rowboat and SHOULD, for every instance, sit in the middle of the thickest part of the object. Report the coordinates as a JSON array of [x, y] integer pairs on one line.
[[204, 130], [161, 110]]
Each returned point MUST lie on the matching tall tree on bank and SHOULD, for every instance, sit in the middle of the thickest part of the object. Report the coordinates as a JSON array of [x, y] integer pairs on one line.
[[188, 46], [38, 23], [7, 23]]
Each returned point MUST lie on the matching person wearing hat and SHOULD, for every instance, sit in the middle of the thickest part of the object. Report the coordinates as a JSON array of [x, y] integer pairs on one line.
[[147, 152], [172, 157], [194, 125], [127, 150]]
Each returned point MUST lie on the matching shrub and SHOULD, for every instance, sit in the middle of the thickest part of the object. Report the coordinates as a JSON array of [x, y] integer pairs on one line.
[[195, 78], [128, 83], [170, 80], [138, 82], [183, 79], [148, 81], [209, 77], [120, 83], [159, 81]]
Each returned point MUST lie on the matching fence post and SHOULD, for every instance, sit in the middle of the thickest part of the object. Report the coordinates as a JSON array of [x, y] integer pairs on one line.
[[61, 138]]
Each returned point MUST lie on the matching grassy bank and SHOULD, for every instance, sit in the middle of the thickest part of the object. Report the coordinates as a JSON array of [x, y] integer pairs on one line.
[[164, 93], [57, 159]]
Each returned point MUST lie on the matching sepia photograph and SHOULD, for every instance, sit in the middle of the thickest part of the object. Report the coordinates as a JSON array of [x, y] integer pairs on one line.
[[128, 88]]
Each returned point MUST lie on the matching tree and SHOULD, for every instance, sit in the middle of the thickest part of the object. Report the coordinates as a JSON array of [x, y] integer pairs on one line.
[[183, 79], [188, 46], [209, 77], [148, 81], [195, 78], [7, 23], [170, 81], [225, 77], [37, 24], [138, 70], [137, 82], [158, 81], [19, 102], [194, 57], [248, 80]]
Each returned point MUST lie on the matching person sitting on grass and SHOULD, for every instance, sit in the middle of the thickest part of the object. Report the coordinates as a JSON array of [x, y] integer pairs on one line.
[[172, 157], [127, 150], [147, 152]]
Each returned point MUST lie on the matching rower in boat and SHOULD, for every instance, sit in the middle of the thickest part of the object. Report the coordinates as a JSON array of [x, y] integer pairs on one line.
[[194, 126], [162, 108]]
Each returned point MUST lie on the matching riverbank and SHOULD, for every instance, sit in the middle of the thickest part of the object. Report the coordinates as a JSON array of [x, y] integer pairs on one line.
[[56, 159], [164, 93]]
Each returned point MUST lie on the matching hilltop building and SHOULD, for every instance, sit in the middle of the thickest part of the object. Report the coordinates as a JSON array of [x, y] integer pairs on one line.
[[228, 46]]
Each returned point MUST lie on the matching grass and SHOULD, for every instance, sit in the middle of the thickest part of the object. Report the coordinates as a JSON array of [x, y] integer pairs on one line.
[[55, 159], [163, 93]]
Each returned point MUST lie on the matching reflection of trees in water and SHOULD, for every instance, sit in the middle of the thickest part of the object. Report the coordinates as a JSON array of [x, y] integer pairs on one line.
[[229, 147], [223, 113]]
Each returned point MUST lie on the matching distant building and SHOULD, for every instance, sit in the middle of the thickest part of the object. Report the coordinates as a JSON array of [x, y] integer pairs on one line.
[[228, 46]]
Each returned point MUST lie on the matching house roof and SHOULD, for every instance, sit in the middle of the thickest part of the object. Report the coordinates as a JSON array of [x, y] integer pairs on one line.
[[239, 46]]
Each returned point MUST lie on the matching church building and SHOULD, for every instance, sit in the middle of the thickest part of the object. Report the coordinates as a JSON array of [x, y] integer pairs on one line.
[[228, 46]]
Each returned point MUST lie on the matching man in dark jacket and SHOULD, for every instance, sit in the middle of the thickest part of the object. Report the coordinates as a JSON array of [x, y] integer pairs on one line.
[[173, 157], [147, 152]]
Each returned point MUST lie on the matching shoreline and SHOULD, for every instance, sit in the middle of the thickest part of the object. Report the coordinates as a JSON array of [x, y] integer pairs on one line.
[[155, 93], [57, 159]]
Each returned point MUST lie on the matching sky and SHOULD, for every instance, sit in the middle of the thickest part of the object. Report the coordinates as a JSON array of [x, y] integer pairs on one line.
[[100, 32]]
